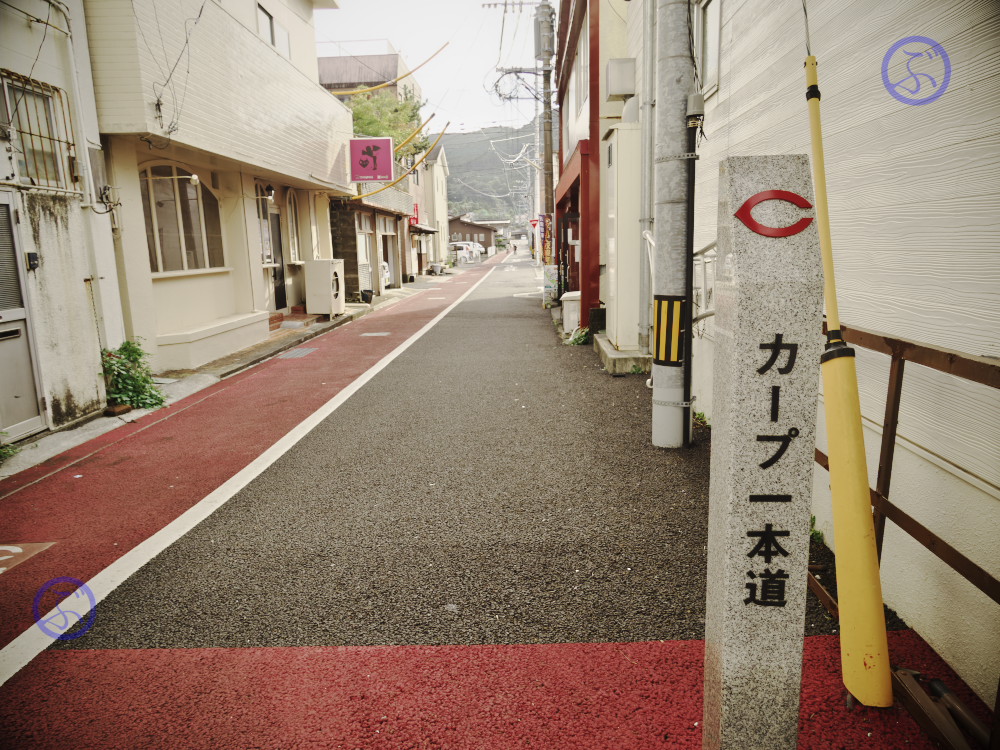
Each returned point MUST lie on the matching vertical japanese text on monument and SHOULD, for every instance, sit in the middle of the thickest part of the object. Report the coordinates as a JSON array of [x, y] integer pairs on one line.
[[766, 587]]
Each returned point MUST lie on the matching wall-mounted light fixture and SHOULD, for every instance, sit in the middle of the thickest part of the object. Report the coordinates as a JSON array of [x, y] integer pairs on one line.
[[195, 179], [269, 191]]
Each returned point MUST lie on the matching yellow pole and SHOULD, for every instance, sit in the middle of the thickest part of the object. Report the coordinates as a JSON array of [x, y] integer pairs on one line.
[[864, 650], [413, 135]]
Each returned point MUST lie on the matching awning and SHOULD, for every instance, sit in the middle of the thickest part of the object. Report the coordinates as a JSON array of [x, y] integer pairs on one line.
[[422, 229]]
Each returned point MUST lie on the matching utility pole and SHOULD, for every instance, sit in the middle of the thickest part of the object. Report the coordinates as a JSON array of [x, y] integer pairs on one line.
[[544, 50], [675, 77]]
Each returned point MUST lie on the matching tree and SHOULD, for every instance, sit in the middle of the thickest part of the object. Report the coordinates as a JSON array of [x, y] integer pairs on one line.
[[380, 113]]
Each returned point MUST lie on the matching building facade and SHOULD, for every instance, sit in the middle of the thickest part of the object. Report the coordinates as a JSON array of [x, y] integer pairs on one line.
[[461, 229], [589, 33], [436, 196], [223, 152], [59, 301]]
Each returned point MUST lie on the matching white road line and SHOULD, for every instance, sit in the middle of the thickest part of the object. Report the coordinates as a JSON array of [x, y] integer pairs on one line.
[[19, 652]]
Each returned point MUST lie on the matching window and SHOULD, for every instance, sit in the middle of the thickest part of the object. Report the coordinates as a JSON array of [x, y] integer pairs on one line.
[[183, 225], [293, 226], [709, 28], [37, 117], [386, 225], [363, 222], [582, 65], [273, 32], [265, 201]]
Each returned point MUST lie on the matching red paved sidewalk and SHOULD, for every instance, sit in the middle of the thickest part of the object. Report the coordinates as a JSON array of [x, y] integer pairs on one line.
[[626, 696], [100, 499]]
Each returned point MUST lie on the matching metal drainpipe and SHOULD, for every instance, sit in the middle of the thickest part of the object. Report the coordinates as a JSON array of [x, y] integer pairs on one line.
[[695, 115], [674, 81], [646, 166], [83, 159]]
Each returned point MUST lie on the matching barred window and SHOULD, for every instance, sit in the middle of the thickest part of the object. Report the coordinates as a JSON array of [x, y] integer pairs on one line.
[[183, 224], [36, 120]]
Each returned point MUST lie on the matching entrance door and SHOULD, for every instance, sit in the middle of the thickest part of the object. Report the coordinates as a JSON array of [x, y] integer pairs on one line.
[[280, 301], [389, 257], [20, 412]]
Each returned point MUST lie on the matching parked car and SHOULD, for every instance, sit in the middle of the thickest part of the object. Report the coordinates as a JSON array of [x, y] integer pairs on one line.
[[466, 251]]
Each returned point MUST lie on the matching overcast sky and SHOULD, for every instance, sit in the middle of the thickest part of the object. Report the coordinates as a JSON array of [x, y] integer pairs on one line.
[[454, 83]]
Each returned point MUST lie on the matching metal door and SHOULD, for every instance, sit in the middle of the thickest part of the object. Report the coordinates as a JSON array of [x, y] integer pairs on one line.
[[20, 412]]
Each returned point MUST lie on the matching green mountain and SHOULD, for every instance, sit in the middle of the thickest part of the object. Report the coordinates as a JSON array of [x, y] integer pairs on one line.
[[483, 181]]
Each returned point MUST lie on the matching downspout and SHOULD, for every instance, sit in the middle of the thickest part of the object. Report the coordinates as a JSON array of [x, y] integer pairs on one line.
[[674, 83], [83, 159], [695, 117], [646, 166]]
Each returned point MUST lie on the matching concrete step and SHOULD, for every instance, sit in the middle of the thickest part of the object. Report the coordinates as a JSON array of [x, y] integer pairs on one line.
[[621, 362], [300, 320]]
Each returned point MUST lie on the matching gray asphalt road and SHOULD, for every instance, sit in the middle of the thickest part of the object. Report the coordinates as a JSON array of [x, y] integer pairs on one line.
[[490, 486]]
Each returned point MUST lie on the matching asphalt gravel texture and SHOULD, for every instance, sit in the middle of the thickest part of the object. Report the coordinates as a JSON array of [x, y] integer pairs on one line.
[[490, 486]]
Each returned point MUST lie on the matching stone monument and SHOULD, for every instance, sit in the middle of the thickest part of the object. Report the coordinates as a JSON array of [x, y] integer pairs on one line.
[[768, 328]]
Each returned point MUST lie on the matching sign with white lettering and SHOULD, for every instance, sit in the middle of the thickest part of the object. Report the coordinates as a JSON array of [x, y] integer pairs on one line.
[[371, 159], [768, 329]]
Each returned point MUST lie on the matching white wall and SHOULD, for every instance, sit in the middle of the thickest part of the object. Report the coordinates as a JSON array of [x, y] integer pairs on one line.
[[242, 113], [437, 194], [575, 119], [915, 213], [241, 99], [76, 280]]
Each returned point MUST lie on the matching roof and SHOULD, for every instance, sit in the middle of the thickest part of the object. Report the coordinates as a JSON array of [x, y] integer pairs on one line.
[[471, 223], [422, 228], [353, 69]]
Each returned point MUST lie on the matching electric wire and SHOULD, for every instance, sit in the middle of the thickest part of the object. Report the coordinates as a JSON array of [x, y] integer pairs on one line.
[[31, 70]]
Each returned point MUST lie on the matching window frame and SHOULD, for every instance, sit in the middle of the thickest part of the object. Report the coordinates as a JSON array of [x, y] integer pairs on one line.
[[292, 207], [279, 41], [58, 135], [154, 219], [264, 210], [709, 78]]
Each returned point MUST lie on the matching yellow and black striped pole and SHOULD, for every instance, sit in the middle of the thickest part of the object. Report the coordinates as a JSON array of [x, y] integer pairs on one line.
[[864, 649], [668, 317]]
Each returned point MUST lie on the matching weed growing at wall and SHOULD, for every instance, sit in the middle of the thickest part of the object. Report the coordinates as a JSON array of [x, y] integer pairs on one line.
[[579, 337], [129, 377], [6, 450]]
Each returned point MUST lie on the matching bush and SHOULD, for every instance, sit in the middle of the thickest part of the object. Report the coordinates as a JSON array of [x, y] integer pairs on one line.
[[129, 377]]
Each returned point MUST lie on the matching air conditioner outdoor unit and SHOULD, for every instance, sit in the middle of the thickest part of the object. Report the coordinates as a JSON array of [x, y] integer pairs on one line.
[[325, 293]]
